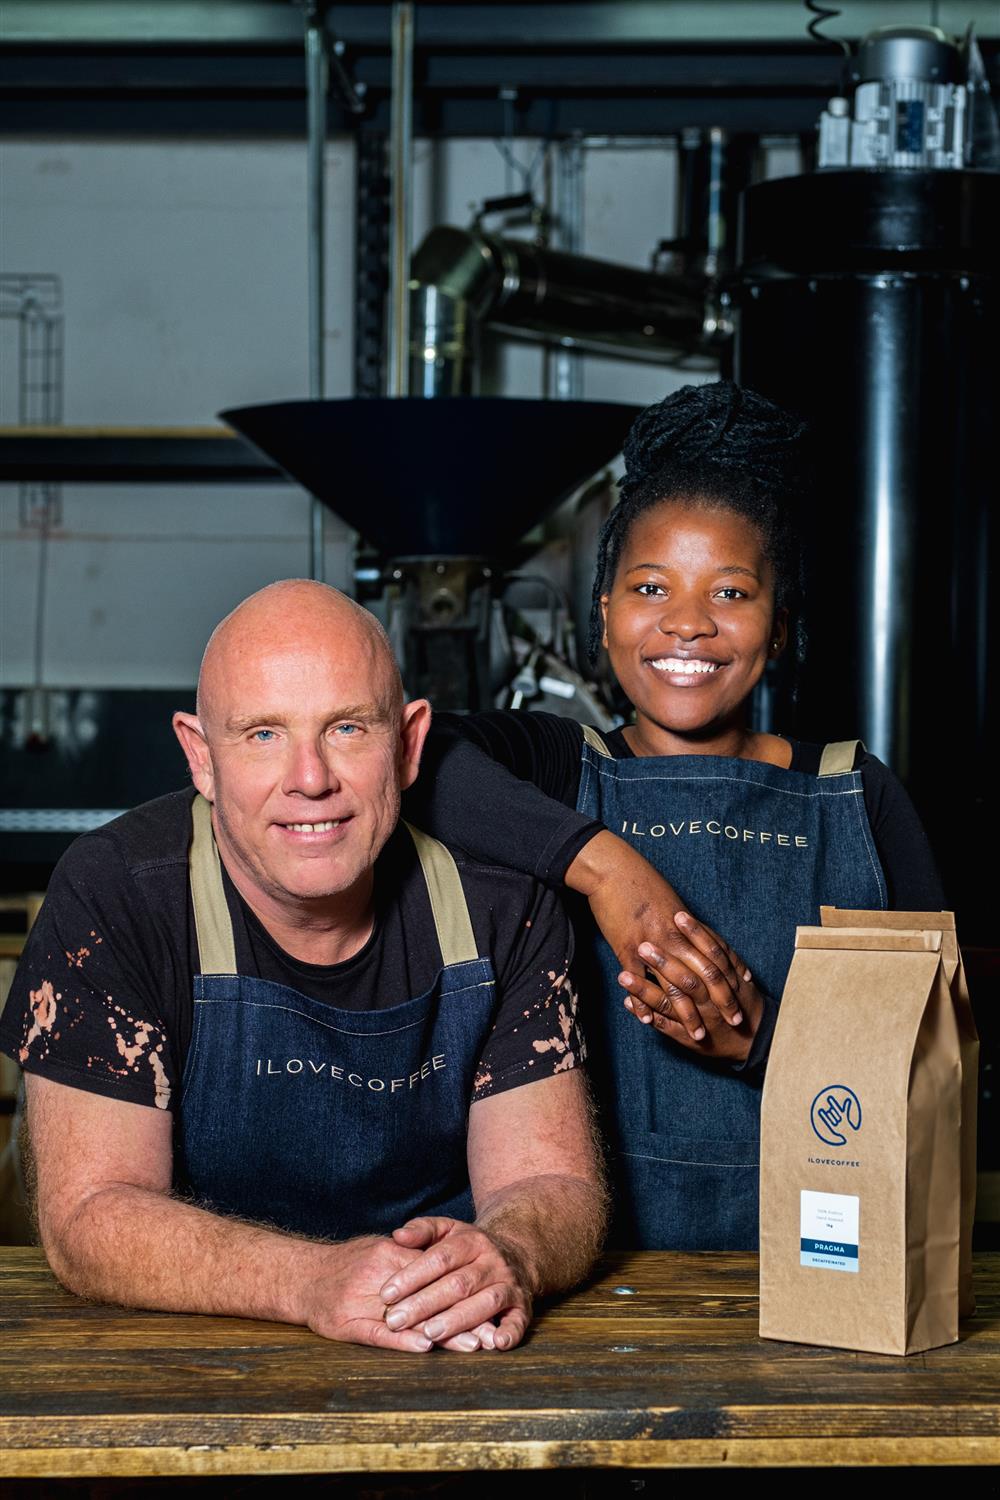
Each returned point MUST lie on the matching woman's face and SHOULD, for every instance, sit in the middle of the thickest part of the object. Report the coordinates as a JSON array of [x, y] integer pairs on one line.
[[690, 622]]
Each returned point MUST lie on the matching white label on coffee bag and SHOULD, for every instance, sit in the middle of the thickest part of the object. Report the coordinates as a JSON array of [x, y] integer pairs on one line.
[[828, 1225]]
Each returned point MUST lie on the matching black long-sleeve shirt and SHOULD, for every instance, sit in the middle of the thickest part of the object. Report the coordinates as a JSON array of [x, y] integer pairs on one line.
[[503, 786]]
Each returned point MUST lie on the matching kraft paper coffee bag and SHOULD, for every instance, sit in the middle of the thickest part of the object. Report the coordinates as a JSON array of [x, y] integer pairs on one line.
[[860, 1187], [968, 1041]]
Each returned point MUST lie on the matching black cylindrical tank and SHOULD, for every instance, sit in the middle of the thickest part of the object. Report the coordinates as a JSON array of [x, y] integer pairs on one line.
[[869, 302]]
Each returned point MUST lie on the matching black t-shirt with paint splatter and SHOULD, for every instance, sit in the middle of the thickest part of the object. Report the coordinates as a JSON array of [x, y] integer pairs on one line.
[[103, 995]]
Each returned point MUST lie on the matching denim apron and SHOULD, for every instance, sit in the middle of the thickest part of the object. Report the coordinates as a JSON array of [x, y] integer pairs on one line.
[[754, 850], [323, 1121]]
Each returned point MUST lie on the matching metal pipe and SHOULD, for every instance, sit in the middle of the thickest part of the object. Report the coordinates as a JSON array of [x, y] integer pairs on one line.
[[317, 83], [887, 524], [400, 174], [715, 217], [713, 168], [567, 370], [576, 302], [445, 345], [525, 289]]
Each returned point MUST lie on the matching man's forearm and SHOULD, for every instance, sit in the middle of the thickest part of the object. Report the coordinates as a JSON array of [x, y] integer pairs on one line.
[[553, 1226], [144, 1248], [138, 1246]]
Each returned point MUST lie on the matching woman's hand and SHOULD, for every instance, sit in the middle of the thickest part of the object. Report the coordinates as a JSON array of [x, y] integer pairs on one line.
[[635, 909], [718, 1040]]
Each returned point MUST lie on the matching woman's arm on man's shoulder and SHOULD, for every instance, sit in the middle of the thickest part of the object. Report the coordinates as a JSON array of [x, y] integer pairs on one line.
[[503, 787]]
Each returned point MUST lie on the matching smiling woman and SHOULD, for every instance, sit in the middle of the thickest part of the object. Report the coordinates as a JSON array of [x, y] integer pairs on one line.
[[689, 634], [706, 533], [697, 580]]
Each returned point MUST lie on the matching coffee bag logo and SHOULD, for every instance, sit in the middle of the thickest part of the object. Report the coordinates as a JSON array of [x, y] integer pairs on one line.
[[834, 1109]]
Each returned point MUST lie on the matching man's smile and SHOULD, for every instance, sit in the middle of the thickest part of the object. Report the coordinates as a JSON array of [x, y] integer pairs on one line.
[[326, 830], [313, 827]]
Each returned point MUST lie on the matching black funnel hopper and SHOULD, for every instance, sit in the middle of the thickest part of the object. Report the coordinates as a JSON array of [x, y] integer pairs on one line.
[[456, 476]]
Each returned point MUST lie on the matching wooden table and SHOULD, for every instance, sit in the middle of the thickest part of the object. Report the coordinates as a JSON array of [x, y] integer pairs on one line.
[[655, 1364]]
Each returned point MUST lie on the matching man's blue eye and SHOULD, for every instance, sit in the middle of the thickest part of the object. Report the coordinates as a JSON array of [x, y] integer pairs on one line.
[[263, 735], [347, 729]]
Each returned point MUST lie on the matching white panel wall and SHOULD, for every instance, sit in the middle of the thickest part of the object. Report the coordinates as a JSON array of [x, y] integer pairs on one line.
[[184, 270], [184, 283]]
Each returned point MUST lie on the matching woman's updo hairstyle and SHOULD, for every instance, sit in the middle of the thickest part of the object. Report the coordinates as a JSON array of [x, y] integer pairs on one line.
[[719, 446]]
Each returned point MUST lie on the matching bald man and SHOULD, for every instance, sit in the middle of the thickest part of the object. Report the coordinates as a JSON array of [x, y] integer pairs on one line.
[[288, 1058]]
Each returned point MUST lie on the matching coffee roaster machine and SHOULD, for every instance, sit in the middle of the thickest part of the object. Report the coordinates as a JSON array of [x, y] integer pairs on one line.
[[864, 294]]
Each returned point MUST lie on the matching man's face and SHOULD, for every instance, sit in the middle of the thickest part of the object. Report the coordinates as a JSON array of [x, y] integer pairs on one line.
[[306, 756]]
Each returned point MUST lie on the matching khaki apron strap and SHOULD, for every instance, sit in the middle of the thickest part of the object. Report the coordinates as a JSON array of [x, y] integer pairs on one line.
[[448, 904], [216, 949], [595, 741], [838, 757]]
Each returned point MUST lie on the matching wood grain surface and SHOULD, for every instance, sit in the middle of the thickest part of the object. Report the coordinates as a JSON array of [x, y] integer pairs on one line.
[[671, 1374]]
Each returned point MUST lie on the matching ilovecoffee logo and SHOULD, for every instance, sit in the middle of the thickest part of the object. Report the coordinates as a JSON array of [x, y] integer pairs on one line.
[[834, 1107]]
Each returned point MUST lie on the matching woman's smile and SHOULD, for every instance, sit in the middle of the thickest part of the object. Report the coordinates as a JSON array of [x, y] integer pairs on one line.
[[686, 671]]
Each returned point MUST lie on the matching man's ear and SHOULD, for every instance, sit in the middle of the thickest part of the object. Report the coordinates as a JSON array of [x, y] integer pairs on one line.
[[414, 724], [779, 634], [188, 730]]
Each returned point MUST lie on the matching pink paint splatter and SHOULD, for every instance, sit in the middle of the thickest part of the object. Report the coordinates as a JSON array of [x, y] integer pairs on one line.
[[161, 1084], [138, 1047], [136, 1042], [139, 1042], [43, 1014], [565, 1019]]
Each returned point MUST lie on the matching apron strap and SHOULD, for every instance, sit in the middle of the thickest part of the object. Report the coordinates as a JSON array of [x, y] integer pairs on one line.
[[838, 757], [216, 949], [595, 741], [448, 904]]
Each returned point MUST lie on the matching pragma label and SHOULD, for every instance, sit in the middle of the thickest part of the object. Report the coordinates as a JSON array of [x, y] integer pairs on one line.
[[828, 1230]]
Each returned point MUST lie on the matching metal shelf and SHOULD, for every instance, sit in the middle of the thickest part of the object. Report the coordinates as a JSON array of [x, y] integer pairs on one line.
[[147, 455]]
